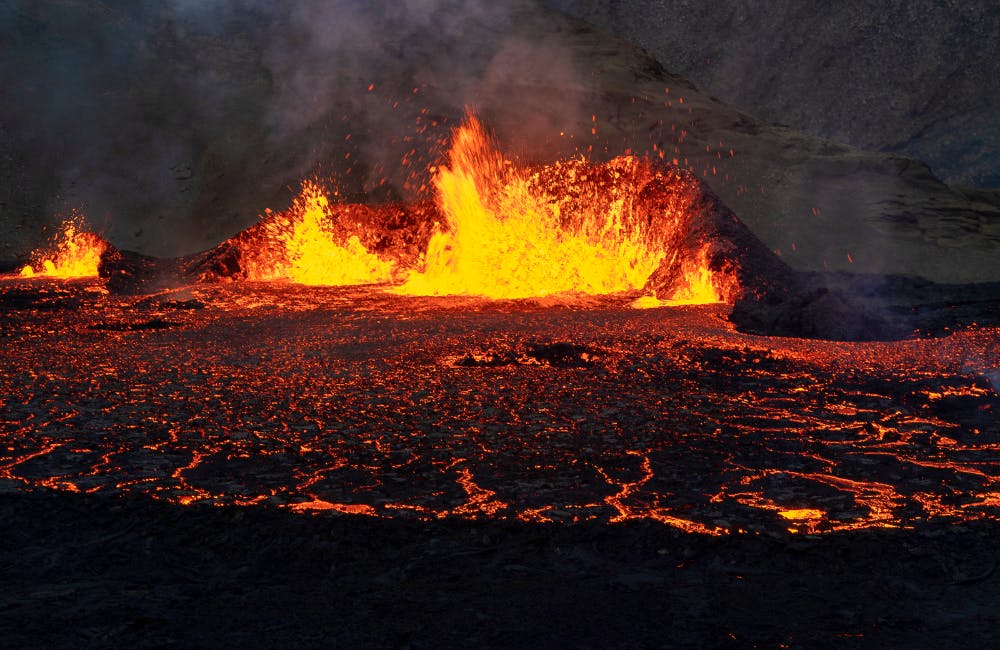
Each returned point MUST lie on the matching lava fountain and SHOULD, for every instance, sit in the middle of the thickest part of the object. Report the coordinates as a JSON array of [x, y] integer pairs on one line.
[[516, 233], [314, 245], [74, 253], [498, 230]]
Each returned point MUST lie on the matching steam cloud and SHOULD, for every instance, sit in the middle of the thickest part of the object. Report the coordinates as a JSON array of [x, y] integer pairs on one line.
[[173, 124]]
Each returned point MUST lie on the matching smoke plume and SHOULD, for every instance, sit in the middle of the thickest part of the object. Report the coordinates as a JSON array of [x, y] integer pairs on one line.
[[173, 124]]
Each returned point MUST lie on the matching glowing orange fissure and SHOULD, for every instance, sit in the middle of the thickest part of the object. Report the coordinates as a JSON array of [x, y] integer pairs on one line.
[[75, 253]]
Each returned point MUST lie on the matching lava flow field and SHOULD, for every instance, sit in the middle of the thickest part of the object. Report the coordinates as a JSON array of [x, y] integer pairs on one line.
[[548, 410], [445, 471]]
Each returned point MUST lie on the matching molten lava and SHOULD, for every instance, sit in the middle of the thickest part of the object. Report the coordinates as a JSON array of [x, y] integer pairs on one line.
[[495, 230], [501, 231], [75, 253], [310, 244], [566, 228]]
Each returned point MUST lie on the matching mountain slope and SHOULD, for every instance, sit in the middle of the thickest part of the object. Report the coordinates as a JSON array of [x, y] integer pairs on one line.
[[919, 78]]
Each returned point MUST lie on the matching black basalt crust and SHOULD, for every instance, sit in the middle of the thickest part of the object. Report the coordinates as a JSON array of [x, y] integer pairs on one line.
[[819, 313]]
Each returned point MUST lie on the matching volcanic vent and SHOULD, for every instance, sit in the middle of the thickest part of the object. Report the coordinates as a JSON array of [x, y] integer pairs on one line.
[[500, 230], [73, 253]]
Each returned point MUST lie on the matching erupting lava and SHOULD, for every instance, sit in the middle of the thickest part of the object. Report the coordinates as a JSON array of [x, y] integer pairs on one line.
[[503, 238], [75, 253], [508, 232], [313, 247], [511, 233]]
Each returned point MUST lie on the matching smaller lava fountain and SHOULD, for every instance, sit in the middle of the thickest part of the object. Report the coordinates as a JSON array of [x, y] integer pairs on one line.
[[314, 246], [74, 253]]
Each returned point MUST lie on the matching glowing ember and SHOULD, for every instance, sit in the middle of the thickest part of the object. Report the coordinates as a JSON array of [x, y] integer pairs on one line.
[[75, 253], [509, 233], [309, 244]]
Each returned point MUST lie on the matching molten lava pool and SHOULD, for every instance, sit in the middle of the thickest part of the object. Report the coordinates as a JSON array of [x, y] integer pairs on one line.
[[363, 401]]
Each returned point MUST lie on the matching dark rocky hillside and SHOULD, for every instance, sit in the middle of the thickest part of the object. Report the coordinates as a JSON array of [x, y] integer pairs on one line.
[[920, 78]]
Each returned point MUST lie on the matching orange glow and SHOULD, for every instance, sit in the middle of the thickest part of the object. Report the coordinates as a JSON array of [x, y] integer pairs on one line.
[[565, 228], [625, 512], [345, 508], [700, 286], [801, 514], [480, 500], [76, 253], [309, 244]]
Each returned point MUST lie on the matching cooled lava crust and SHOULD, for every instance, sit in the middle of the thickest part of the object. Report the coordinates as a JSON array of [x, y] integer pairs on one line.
[[271, 465], [357, 400]]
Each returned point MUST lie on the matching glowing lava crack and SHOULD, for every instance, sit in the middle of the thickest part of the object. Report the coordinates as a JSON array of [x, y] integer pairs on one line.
[[356, 401]]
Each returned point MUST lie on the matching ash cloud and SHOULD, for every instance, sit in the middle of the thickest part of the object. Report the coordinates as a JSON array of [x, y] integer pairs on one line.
[[173, 124]]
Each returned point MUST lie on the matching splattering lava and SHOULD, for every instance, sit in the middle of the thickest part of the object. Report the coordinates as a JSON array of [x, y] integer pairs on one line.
[[506, 231], [74, 253]]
